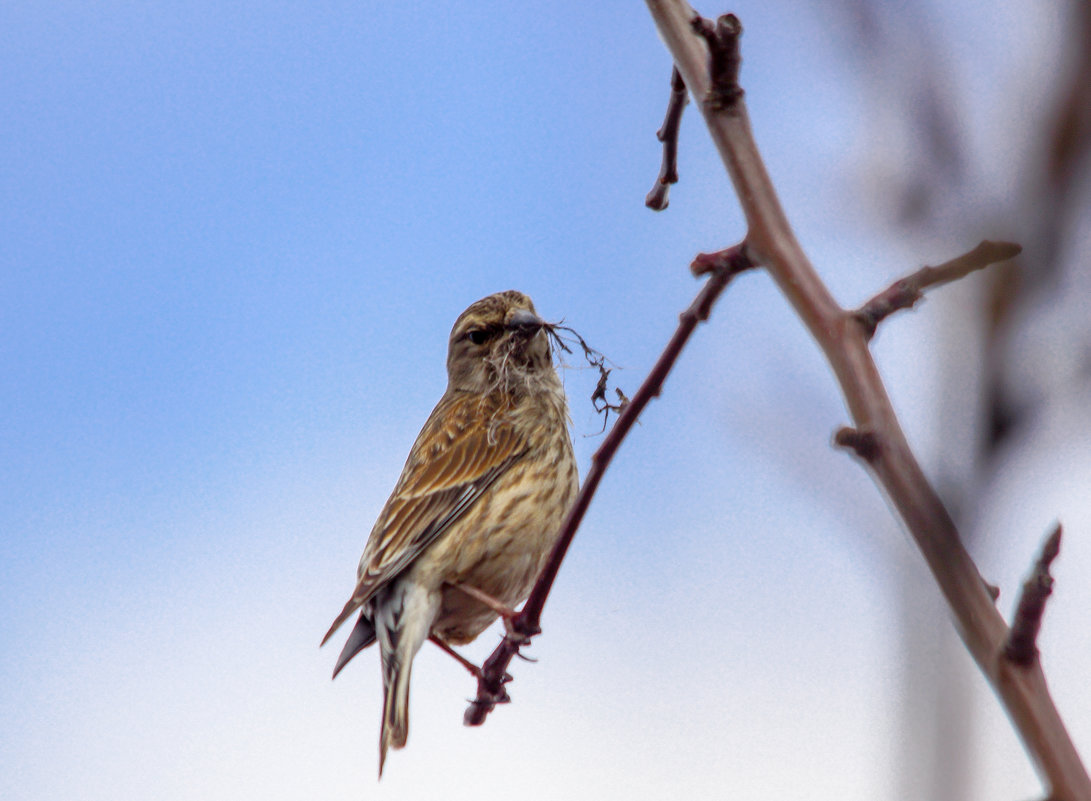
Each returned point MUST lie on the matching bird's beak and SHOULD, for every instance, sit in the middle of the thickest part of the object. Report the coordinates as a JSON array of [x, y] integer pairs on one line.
[[525, 321]]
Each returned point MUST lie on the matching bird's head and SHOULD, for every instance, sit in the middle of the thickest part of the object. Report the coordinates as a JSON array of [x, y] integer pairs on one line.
[[499, 342]]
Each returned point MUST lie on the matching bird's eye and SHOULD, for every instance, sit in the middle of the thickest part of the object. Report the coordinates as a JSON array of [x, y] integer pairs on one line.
[[478, 336]]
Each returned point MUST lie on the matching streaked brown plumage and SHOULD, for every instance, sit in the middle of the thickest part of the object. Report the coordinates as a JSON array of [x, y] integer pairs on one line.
[[479, 502]]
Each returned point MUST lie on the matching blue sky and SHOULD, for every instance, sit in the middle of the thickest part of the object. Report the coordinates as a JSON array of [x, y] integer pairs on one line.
[[233, 239]]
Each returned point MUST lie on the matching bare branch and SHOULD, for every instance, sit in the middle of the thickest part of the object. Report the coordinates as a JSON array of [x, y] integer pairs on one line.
[[659, 198], [844, 340], [1022, 645], [490, 684], [906, 292]]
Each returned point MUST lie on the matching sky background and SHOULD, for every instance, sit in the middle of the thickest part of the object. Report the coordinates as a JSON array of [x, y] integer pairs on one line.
[[233, 239]]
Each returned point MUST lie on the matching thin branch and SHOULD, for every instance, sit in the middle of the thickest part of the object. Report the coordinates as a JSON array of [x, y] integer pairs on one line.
[[844, 340], [906, 292], [1022, 645], [723, 267], [659, 198]]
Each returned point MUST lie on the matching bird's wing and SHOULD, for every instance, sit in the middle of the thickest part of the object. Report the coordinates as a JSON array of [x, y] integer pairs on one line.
[[464, 447]]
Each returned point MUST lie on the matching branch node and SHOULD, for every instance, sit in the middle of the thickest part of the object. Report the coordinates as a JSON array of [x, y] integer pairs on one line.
[[902, 294], [723, 265], [724, 60], [659, 198], [1022, 648], [733, 260], [864, 443]]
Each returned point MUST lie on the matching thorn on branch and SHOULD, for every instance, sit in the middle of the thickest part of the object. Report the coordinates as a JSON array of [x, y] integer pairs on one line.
[[724, 60], [1022, 645], [659, 198], [864, 443], [906, 292]]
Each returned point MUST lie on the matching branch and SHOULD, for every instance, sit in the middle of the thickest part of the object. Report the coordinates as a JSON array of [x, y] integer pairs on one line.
[[659, 198], [844, 340], [1022, 645], [722, 266], [906, 292]]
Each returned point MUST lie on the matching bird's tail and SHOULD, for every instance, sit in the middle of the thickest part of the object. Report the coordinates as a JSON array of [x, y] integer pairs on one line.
[[395, 708], [363, 635], [402, 623]]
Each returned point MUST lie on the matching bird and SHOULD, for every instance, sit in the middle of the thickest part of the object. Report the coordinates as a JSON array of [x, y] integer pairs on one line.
[[477, 508]]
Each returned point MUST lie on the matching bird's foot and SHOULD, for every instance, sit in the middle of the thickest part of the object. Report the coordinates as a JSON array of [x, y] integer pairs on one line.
[[516, 628], [494, 604], [475, 671]]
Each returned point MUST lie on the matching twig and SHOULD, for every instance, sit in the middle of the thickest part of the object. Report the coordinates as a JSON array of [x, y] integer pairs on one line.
[[1022, 645], [844, 341], [904, 293], [490, 685], [659, 198]]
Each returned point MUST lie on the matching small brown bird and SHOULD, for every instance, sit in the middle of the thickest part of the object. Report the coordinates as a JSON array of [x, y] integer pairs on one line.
[[477, 507]]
